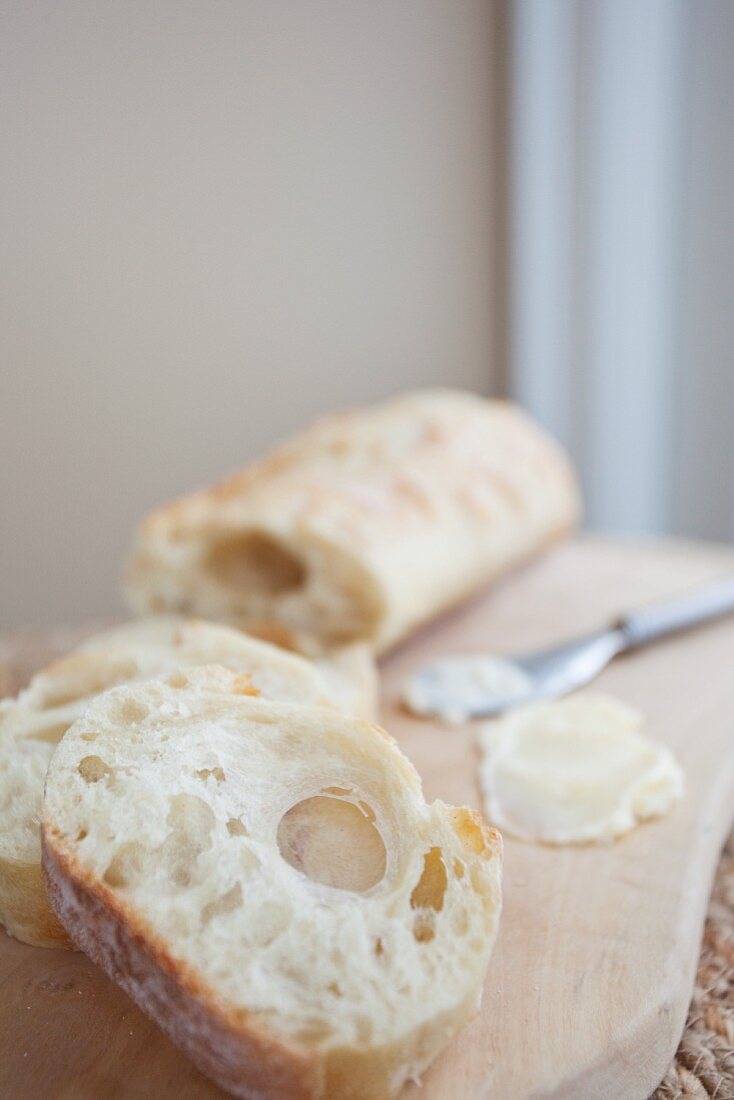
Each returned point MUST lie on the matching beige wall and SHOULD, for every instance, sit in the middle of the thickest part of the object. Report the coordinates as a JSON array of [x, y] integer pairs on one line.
[[218, 219]]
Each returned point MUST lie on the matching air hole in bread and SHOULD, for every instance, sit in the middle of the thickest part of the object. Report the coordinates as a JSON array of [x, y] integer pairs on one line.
[[127, 712], [217, 772], [190, 815], [82, 834], [226, 904], [192, 822], [129, 863], [379, 947], [93, 768], [178, 680], [255, 560], [243, 685], [333, 988], [235, 827], [468, 828], [429, 891], [423, 927], [333, 842]]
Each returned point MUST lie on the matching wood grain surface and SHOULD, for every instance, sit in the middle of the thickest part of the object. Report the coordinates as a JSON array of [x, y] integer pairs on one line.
[[592, 974]]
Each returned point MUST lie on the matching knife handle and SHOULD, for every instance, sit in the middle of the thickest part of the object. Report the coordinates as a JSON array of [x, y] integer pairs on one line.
[[682, 613]]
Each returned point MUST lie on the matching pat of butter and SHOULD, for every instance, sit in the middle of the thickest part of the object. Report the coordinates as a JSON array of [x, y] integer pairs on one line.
[[456, 687], [574, 770]]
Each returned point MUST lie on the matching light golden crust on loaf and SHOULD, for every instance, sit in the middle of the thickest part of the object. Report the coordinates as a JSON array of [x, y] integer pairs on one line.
[[304, 987], [366, 524], [34, 722]]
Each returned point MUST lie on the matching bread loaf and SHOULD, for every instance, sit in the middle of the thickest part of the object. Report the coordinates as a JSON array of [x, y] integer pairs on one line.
[[366, 524]]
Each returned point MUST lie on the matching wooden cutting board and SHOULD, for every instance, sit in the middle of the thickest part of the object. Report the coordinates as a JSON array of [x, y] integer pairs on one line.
[[590, 980]]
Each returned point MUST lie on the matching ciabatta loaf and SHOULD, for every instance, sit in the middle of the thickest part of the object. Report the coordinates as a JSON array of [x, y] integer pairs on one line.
[[268, 883], [33, 723], [365, 525]]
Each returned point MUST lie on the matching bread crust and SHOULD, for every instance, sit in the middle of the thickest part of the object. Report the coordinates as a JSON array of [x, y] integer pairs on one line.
[[387, 516]]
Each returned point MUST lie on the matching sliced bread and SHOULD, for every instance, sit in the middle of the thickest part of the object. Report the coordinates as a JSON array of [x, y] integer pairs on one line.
[[269, 885], [33, 723]]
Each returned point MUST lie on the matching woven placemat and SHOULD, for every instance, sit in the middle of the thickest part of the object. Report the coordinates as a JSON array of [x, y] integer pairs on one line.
[[703, 1068]]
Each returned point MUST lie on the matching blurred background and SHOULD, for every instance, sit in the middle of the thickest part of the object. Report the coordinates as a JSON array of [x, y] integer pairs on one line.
[[218, 220]]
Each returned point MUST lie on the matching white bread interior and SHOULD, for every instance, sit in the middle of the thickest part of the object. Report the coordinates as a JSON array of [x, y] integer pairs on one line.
[[33, 723], [268, 883], [366, 524]]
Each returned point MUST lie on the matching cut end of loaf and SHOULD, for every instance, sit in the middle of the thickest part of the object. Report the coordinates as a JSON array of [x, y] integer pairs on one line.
[[246, 575], [254, 560]]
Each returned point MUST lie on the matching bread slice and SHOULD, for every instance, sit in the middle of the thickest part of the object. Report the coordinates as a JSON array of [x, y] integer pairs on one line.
[[269, 885], [366, 524], [24, 908], [33, 723], [349, 671]]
